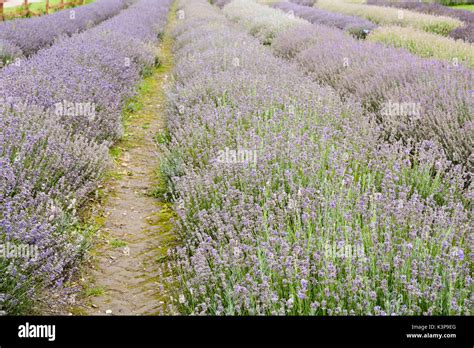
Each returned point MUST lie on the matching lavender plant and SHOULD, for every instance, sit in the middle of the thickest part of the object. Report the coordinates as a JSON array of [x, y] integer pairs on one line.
[[466, 32], [265, 24], [60, 110], [319, 216], [31, 34], [357, 26], [378, 76], [390, 16]]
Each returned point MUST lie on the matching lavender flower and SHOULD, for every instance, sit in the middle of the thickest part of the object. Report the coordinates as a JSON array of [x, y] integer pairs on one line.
[[31, 34], [51, 159], [314, 148], [8, 52], [377, 76]]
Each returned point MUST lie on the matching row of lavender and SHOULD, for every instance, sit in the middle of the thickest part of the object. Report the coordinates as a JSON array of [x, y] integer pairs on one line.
[[440, 25], [23, 37], [289, 200], [465, 32], [410, 30], [413, 98], [60, 112], [357, 26]]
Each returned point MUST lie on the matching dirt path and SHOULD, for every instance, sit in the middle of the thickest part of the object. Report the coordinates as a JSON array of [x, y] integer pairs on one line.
[[136, 231]]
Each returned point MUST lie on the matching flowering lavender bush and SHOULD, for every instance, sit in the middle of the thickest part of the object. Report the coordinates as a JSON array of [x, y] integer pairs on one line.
[[31, 34], [375, 75], [391, 16], [355, 25], [59, 112], [220, 3], [8, 52], [304, 2], [321, 220], [265, 24], [465, 32]]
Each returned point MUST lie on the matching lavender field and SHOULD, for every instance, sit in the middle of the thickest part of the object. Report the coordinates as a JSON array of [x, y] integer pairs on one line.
[[193, 157]]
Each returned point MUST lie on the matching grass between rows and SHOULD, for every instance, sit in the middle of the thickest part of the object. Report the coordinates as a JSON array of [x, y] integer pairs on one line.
[[132, 114], [464, 7]]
